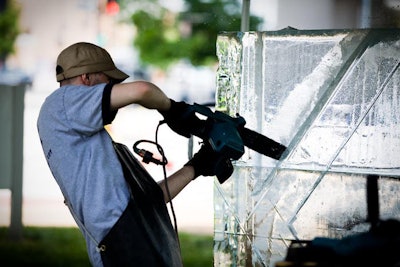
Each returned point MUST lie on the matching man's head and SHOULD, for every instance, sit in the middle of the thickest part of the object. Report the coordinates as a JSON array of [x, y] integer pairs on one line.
[[86, 58]]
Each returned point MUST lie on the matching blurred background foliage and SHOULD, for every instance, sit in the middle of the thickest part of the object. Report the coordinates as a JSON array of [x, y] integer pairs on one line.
[[9, 17], [65, 246], [164, 36]]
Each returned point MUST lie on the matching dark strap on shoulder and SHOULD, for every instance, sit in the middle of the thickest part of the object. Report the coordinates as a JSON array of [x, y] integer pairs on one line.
[[141, 183], [145, 221]]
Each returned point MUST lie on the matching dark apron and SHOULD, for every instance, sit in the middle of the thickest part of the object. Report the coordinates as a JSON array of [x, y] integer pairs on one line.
[[143, 235]]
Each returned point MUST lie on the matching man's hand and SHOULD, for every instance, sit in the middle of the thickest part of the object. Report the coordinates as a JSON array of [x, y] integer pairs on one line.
[[207, 162], [181, 118]]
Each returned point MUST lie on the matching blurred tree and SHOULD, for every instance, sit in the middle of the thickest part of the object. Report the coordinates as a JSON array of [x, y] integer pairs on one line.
[[164, 37], [8, 28]]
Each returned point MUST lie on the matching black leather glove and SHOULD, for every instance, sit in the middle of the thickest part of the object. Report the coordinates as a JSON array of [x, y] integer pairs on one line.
[[207, 162], [182, 119]]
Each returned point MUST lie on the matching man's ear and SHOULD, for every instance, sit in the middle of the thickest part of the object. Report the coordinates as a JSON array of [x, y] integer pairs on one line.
[[85, 79]]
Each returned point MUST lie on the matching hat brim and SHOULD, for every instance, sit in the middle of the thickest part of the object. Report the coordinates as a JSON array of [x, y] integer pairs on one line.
[[116, 74]]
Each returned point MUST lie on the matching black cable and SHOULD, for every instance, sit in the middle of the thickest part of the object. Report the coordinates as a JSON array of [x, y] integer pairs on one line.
[[373, 201], [166, 180], [148, 157]]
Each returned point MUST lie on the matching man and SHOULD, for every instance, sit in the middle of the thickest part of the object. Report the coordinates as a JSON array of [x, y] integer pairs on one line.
[[122, 225]]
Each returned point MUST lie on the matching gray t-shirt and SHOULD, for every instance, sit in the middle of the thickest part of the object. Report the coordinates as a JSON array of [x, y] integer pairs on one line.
[[82, 159]]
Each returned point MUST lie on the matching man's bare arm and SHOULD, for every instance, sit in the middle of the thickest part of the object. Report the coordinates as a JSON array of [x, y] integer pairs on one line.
[[139, 92], [177, 182]]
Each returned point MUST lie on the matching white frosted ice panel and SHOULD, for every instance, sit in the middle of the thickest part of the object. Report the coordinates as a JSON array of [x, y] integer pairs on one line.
[[359, 125], [251, 97], [292, 90], [333, 98]]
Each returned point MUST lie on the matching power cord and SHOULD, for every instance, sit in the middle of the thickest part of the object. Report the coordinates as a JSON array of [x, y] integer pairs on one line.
[[148, 157]]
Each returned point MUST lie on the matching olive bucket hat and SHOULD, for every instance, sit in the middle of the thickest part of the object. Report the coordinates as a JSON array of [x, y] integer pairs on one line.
[[81, 58]]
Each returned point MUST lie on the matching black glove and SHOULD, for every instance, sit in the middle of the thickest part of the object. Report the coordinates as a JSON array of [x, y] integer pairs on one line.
[[182, 119], [207, 162]]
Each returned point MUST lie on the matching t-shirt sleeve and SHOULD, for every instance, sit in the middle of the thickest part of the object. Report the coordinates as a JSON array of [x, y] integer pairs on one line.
[[108, 114], [86, 109]]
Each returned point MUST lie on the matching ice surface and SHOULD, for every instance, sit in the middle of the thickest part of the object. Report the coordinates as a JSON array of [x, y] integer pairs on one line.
[[333, 98], [306, 93]]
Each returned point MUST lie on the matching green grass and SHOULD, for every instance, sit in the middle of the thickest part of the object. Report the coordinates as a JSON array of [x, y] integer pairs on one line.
[[53, 246]]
